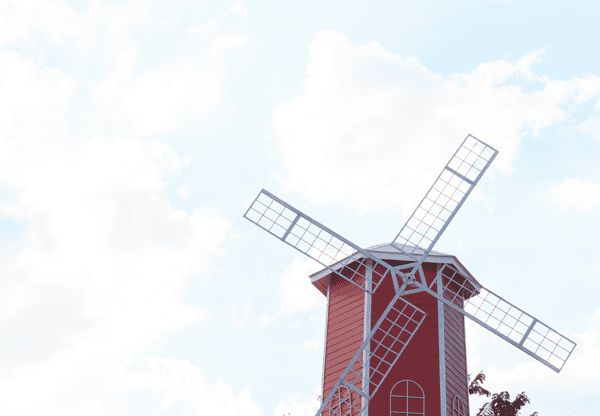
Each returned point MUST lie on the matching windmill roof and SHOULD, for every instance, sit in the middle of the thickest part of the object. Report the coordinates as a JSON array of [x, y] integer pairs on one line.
[[386, 251], [388, 248]]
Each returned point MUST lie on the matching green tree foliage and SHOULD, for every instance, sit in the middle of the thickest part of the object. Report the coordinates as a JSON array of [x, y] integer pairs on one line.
[[475, 385], [500, 404]]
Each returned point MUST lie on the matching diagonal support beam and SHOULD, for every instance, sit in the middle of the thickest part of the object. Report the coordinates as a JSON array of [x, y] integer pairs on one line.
[[464, 178], [289, 229], [528, 332], [351, 387]]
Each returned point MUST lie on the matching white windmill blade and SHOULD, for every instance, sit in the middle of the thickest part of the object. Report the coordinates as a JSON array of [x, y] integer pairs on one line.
[[504, 319], [384, 344], [443, 200], [314, 240]]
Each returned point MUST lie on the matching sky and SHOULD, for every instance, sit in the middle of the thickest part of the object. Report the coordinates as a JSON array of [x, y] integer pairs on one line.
[[135, 134]]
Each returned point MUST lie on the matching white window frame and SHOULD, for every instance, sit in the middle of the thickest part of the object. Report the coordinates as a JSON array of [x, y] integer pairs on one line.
[[458, 407], [347, 403], [404, 394]]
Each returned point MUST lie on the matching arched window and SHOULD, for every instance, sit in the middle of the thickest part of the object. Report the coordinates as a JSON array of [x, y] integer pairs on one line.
[[407, 399], [345, 403], [458, 407]]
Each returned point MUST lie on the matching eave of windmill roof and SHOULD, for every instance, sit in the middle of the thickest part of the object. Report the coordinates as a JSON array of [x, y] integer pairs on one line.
[[387, 248], [386, 251]]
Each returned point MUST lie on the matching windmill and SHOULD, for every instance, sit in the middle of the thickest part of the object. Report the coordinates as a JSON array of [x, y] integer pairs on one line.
[[407, 299]]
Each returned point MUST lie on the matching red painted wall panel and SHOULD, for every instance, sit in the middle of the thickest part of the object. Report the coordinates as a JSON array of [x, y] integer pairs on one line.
[[420, 360], [456, 360], [344, 329]]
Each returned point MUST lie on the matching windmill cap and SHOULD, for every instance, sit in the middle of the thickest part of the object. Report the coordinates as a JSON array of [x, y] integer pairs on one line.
[[386, 251]]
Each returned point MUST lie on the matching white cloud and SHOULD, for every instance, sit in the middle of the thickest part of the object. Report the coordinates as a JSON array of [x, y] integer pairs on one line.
[[591, 125], [184, 191], [152, 385], [181, 387], [150, 102], [299, 404], [119, 19], [97, 279], [575, 194], [371, 129], [157, 99], [182, 88], [20, 19], [312, 344], [100, 271], [116, 81], [214, 23], [241, 316], [33, 100], [296, 293]]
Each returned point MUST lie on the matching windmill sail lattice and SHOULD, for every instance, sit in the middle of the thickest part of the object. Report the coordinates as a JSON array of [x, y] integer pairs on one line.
[[400, 321], [443, 200], [504, 319], [312, 239]]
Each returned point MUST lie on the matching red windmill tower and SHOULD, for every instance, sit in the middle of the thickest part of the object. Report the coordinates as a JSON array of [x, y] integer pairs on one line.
[[432, 368], [395, 340]]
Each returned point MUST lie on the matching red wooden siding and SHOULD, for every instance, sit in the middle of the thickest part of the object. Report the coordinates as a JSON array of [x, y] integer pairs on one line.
[[420, 360], [344, 329], [456, 360]]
